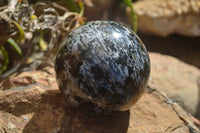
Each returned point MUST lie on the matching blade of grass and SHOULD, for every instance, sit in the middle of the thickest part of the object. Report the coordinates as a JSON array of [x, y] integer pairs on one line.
[[82, 9], [21, 31], [6, 60], [81, 6], [133, 14], [15, 46], [42, 42]]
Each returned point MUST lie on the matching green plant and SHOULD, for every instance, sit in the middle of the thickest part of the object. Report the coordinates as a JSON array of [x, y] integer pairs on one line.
[[6, 59], [14, 44], [75, 7], [133, 14], [71, 5]]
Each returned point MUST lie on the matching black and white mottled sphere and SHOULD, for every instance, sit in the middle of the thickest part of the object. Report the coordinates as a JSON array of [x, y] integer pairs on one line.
[[104, 63]]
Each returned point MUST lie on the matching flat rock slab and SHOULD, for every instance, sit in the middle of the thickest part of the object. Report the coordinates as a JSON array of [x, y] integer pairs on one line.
[[31, 102], [37, 108], [180, 81], [165, 17]]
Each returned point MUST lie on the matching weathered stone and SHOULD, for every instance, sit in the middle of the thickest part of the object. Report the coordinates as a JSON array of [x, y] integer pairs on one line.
[[38, 106], [41, 109], [165, 17], [178, 80], [186, 49], [44, 77]]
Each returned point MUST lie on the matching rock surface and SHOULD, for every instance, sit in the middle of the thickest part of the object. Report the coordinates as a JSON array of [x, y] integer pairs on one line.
[[39, 107], [186, 49], [178, 80], [165, 17]]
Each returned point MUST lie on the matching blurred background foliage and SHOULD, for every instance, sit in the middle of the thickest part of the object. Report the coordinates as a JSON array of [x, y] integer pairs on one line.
[[31, 31]]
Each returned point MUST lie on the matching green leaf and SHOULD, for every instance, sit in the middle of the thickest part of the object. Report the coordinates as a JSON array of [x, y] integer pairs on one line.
[[133, 14], [71, 5], [21, 31], [5, 58], [81, 6], [15, 46], [42, 42]]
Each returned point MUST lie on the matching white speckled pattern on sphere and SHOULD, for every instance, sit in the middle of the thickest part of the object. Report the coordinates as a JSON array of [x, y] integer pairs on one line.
[[105, 63]]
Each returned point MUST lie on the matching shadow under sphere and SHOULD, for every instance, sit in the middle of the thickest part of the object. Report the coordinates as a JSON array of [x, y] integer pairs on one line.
[[53, 114]]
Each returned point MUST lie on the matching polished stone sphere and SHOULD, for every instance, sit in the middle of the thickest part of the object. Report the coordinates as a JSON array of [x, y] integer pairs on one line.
[[104, 63]]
